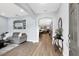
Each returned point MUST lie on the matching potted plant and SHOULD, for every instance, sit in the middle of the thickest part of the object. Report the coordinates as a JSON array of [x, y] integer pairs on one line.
[[58, 33]]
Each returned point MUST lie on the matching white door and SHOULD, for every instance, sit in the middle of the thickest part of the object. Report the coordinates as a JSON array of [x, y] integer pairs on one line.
[[73, 29]]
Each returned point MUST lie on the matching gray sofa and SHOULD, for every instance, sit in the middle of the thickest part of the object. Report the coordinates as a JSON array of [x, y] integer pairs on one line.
[[18, 39]]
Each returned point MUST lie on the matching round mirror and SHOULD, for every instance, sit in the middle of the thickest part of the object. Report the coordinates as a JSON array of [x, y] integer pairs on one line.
[[60, 23]]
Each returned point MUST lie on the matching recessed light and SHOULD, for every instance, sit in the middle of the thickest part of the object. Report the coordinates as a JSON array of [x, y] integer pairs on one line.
[[22, 10]]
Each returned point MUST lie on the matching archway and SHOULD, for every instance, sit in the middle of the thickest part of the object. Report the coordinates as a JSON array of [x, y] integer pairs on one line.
[[45, 26]]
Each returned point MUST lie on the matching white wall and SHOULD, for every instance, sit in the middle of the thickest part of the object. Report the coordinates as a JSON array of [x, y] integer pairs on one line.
[[31, 28], [3, 25], [45, 22], [64, 14]]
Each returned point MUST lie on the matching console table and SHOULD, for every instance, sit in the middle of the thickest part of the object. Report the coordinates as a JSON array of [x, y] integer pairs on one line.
[[57, 45]]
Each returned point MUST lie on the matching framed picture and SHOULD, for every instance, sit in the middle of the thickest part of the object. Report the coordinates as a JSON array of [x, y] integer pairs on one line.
[[19, 24]]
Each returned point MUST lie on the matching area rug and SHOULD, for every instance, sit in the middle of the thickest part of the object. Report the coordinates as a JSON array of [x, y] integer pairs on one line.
[[8, 48]]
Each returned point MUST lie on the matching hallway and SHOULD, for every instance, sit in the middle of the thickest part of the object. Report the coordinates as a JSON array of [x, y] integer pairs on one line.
[[43, 48]]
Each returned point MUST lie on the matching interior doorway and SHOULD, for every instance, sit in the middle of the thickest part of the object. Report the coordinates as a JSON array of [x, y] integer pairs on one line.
[[46, 42], [45, 27]]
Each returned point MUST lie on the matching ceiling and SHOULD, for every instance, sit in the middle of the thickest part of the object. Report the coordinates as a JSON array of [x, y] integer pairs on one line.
[[11, 9], [44, 7]]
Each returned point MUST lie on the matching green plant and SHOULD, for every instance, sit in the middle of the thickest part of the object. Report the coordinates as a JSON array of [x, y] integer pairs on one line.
[[58, 33]]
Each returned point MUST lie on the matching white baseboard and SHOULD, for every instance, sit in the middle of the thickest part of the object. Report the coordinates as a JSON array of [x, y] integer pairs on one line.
[[34, 41]]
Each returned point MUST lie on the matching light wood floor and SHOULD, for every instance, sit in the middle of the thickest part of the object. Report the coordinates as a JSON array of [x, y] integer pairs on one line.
[[43, 48]]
